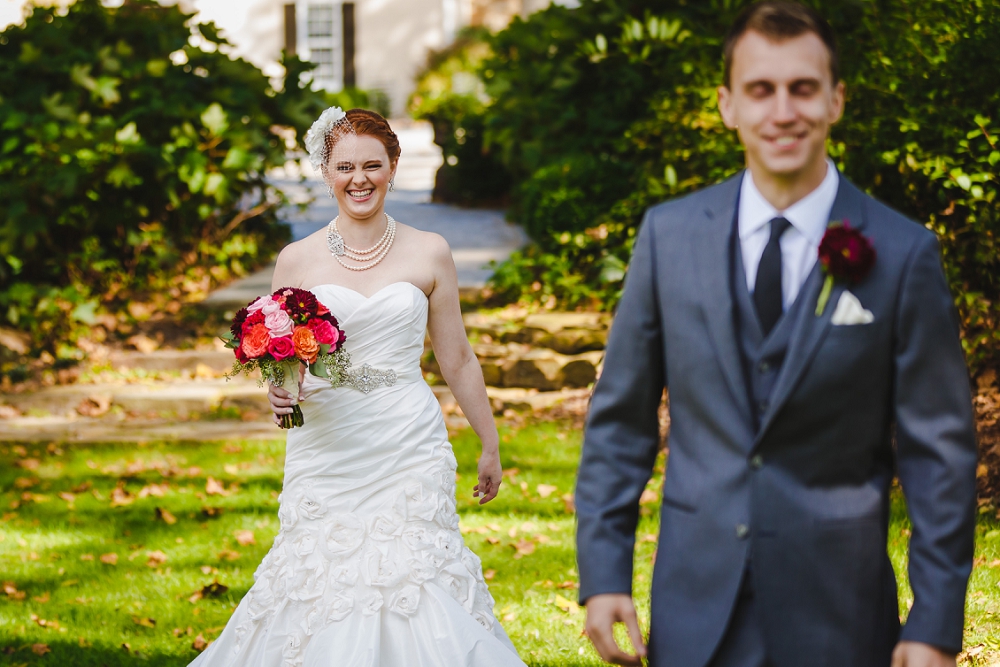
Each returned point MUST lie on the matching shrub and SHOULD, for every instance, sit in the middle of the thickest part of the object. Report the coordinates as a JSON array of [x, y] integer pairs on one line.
[[450, 95], [132, 165]]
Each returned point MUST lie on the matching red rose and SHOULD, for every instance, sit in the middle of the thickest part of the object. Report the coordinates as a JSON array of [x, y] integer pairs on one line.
[[240, 355], [255, 341], [846, 254], [281, 348], [321, 309], [306, 347], [323, 331], [251, 321]]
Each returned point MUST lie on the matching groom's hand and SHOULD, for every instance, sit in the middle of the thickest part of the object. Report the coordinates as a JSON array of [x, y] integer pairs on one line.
[[915, 654], [603, 611]]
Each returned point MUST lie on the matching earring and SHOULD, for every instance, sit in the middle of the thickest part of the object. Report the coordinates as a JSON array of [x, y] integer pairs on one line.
[[392, 186]]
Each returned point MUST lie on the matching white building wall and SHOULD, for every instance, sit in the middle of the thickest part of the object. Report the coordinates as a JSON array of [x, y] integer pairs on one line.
[[392, 37]]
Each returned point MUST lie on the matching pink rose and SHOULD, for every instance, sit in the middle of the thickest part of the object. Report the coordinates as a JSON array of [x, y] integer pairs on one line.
[[259, 304], [281, 348], [270, 307], [324, 332], [277, 322]]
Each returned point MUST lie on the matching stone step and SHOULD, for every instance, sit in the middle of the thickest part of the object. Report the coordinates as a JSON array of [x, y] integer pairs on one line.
[[566, 333], [218, 361], [70, 426], [515, 365], [179, 399]]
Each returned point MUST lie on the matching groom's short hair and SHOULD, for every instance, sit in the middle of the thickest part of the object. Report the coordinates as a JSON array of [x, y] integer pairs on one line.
[[779, 20]]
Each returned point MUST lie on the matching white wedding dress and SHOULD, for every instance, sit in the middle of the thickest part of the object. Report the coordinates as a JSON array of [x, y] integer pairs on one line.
[[368, 567]]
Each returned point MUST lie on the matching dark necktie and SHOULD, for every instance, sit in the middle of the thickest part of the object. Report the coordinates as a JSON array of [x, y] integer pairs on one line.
[[767, 290]]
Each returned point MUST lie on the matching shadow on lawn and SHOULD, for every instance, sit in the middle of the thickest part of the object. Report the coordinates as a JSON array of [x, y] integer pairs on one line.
[[67, 653]]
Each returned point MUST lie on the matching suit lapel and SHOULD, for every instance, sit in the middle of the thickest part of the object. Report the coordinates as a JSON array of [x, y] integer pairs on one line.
[[810, 330], [711, 248]]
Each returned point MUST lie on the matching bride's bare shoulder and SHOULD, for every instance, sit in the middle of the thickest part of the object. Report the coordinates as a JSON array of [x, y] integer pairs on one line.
[[428, 244], [295, 256]]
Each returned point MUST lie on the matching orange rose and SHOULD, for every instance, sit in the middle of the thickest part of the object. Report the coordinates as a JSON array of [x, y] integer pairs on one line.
[[255, 341], [306, 347]]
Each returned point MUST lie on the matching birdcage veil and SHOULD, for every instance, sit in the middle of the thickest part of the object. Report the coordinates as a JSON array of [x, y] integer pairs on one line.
[[325, 142]]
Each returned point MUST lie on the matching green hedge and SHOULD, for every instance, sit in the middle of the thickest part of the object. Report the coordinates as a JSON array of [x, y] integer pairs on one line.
[[132, 166], [601, 111]]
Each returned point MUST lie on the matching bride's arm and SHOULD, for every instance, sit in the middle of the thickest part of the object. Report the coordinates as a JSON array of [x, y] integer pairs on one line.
[[284, 276], [460, 367]]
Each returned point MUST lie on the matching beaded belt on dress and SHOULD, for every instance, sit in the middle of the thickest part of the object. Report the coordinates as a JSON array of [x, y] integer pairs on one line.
[[364, 378]]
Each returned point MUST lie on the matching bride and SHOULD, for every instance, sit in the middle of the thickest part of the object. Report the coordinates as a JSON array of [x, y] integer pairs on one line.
[[369, 567]]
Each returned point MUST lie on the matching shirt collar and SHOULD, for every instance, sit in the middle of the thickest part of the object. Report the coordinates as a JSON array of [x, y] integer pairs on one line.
[[810, 215]]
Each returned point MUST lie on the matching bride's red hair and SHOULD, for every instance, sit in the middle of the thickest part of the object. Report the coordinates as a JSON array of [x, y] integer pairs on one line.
[[374, 125]]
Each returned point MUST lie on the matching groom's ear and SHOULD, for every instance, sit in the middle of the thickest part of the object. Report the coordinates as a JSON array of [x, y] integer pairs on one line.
[[726, 106], [837, 107]]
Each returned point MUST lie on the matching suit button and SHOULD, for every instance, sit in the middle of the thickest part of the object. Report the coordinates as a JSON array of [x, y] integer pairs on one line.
[[757, 462], [764, 405], [764, 367], [742, 530]]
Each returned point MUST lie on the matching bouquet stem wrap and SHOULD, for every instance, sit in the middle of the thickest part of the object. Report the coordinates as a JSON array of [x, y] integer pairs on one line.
[[290, 383]]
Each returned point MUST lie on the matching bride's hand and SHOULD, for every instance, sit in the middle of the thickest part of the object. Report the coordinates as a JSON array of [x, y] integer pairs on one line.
[[281, 401], [490, 476]]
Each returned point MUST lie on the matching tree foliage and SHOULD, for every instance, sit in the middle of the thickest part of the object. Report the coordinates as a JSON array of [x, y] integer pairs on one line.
[[601, 111], [132, 163]]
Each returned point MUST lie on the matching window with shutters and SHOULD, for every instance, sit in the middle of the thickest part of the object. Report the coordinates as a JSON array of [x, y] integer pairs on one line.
[[320, 40]]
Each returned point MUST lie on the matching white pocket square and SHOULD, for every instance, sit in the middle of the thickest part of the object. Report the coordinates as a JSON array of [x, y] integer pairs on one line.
[[850, 312]]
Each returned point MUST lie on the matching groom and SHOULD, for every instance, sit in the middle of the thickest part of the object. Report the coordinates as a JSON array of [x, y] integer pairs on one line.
[[792, 408]]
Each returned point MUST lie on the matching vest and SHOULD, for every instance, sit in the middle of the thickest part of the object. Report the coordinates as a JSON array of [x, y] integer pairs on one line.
[[762, 357]]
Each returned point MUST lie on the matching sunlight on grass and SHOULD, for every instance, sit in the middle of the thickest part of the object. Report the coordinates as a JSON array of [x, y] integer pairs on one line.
[[118, 552]]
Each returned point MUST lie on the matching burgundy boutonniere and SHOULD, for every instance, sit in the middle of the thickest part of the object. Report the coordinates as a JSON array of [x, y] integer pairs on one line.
[[844, 255]]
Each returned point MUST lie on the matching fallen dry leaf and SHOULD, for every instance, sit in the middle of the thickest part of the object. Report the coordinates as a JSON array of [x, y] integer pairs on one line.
[[199, 643], [87, 557], [231, 469], [40, 649], [493, 540], [214, 487], [144, 622], [11, 591], [158, 490], [567, 605], [569, 503], [42, 623], [524, 548], [546, 490], [144, 344], [120, 496], [166, 516], [28, 464], [229, 554], [156, 558], [211, 512], [109, 559], [95, 405], [25, 482], [68, 497], [245, 537], [41, 599], [648, 497]]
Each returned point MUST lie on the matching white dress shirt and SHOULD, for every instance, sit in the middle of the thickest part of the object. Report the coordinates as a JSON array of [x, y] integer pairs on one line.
[[799, 244]]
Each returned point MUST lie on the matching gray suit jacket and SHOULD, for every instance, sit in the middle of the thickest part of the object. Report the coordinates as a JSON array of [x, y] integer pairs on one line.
[[807, 494]]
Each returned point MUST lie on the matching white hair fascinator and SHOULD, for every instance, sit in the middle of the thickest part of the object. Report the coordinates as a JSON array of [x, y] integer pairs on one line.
[[324, 138]]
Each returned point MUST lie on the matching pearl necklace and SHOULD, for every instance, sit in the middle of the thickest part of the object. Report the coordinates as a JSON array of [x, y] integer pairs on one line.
[[369, 257]]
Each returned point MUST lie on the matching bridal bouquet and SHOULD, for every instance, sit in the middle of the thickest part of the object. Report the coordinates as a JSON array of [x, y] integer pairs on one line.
[[277, 332]]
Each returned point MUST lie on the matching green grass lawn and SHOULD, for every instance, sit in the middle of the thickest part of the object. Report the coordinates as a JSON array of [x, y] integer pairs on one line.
[[118, 554]]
